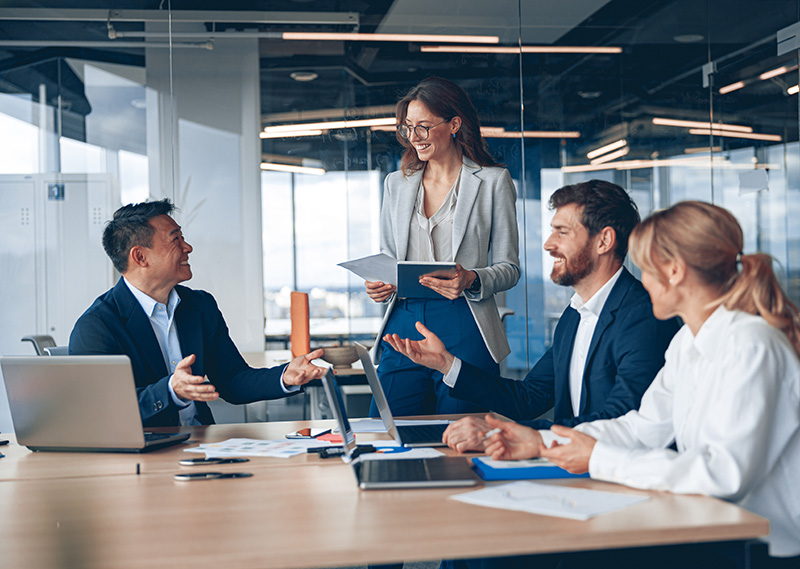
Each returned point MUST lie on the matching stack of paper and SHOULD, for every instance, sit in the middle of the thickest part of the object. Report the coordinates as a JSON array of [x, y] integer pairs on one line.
[[256, 447]]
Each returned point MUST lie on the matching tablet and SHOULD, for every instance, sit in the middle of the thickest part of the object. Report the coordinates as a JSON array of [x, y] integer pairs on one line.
[[409, 272]]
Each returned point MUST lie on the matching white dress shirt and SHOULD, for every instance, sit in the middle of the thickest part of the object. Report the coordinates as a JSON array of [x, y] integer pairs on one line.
[[730, 399], [589, 312], [162, 319], [431, 238]]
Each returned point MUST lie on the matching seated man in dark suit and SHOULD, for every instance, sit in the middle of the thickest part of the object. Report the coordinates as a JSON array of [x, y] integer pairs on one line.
[[174, 336], [607, 346]]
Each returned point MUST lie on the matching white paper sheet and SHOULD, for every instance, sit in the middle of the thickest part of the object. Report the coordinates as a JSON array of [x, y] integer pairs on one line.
[[376, 425], [394, 452], [378, 267], [256, 447], [550, 499]]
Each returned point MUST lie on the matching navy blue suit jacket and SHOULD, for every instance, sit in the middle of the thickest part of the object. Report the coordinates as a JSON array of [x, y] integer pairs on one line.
[[115, 324], [625, 354]]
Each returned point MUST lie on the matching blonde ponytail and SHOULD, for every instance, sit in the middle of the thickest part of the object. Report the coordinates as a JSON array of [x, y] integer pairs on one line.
[[755, 289], [709, 240]]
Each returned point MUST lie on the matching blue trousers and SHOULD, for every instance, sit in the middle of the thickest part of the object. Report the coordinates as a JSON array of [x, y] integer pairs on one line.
[[411, 388]]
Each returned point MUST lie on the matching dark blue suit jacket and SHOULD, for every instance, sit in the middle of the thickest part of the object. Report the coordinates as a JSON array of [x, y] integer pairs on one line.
[[116, 324], [626, 352]]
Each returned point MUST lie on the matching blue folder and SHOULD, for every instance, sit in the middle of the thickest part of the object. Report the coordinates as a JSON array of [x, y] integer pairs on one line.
[[535, 468]]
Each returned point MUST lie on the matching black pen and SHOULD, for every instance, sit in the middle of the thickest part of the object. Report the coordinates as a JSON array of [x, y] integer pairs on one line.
[[3, 442]]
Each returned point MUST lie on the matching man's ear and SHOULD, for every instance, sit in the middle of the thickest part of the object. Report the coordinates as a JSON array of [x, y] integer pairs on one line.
[[137, 256], [606, 241]]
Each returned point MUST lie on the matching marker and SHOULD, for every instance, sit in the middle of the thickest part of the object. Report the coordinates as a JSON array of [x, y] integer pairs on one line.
[[491, 433]]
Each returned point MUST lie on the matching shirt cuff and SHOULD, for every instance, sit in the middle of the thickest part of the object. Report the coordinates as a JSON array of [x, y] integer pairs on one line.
[[451, 376], [288, 388], [175, 399], [549, 436], [606, 461]]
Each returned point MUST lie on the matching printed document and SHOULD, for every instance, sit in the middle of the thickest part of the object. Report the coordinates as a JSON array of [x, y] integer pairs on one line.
[[550, 499]]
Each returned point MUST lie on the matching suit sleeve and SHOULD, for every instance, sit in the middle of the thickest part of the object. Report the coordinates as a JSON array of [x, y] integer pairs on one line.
[[92, 337], [638, 353], [503, 271], [236, 382], [517, 400]]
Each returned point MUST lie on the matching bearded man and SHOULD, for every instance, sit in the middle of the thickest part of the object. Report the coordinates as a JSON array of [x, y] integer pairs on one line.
[[607, 346]]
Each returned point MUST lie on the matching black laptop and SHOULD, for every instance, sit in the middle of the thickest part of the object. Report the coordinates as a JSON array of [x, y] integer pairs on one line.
[[406, 435], [382, 473]]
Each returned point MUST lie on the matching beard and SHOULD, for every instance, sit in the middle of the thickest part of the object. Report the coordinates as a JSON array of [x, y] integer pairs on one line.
[[574, 268]]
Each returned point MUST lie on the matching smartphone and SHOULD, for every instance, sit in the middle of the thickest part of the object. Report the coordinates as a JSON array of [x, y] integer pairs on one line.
[[307, 433]]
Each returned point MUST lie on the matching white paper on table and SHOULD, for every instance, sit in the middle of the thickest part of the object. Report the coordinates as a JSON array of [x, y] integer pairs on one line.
[[390, 452], [257, 447], [377, 426], [380, 267], [549, 499]]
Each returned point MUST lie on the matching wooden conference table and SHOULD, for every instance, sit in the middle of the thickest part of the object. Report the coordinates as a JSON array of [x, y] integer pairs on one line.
[[93, 511]]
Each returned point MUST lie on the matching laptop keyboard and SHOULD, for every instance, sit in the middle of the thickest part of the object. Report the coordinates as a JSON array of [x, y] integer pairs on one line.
[[421, 433], [394, 470]]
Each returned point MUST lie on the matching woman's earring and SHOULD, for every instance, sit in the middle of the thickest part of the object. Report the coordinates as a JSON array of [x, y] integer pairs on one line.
[[454, 136], [672, 281]]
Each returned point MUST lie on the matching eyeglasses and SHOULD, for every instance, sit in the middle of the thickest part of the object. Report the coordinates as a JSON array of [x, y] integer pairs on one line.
[[422, 132]]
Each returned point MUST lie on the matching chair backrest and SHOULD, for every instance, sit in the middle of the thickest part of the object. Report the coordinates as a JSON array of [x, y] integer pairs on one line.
[[57, 351], [300, 338], [40, 342]]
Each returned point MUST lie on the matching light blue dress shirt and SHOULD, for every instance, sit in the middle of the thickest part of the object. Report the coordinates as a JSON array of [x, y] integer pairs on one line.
[[162, 319]]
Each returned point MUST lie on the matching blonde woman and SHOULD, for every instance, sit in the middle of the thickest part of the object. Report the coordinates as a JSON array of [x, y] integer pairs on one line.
[[728, 395]]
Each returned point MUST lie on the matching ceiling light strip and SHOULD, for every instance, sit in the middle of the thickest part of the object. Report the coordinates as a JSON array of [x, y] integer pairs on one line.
[[700, 124], [729, 134], [793, 90], [324, 36], [532, 134], [611, 156], [291, 168], [689, 161], [285, 128], [607, 148], [293, 133], [517, 49], [775, 72], [730, 88]]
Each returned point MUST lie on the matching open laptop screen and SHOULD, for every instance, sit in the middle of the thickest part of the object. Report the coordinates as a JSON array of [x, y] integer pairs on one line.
[[336, 401]]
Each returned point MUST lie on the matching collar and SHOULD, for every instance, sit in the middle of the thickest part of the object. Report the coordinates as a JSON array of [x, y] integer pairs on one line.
[[149, 304], [595, 304], [710, 337]]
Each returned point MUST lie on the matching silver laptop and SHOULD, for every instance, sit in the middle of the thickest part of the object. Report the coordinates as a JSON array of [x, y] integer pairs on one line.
[[77, 403], [406, 435], [395, 473]]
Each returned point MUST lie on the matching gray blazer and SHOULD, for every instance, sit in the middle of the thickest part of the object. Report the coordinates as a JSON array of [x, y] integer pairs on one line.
[[485, 240]]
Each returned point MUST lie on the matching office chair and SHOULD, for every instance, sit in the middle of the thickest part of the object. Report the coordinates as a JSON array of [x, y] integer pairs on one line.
[[40, 342], [57, 351]]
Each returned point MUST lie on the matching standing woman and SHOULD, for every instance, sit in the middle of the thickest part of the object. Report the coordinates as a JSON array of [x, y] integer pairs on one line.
[[449, 202], [728, 394]]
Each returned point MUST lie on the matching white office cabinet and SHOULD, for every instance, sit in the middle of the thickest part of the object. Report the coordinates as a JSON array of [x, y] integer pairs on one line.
[[51, 256]]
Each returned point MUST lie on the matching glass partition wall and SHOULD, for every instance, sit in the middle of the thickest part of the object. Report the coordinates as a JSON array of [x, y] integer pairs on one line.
[[275, 144]]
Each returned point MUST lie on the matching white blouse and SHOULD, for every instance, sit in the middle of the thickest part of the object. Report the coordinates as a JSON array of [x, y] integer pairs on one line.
[[431, 238], [730, 399]]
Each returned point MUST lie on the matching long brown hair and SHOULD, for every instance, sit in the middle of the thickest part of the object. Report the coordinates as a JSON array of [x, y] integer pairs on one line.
[[447, 100], [709, 240]]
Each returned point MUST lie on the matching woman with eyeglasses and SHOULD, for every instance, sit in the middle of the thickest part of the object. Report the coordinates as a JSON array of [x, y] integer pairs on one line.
[[450, 201], [728, 395]]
